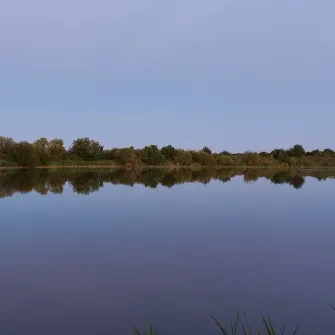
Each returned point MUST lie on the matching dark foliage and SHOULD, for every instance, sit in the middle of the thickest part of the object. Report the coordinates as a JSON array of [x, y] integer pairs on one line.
[[85, 181], [85, 151]]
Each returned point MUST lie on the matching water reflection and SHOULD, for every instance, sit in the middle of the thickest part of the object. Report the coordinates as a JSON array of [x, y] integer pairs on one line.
[[86, 181]]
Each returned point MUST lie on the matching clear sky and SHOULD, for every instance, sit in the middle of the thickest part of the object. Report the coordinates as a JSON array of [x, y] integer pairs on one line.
[[232, 75]]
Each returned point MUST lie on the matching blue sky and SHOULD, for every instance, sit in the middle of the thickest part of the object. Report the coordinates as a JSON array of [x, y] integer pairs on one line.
[[232, 75]]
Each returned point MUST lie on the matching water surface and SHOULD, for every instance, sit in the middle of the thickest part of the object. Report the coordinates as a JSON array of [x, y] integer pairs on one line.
[[95, 252]]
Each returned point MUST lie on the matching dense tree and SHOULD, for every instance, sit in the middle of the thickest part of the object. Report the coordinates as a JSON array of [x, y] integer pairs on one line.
[[151, 155], [57, 150], [182, 157], [207, 150], [224, 152], [276, 153], [264, 154], [111, 154], [251, 159], [224, 160], [296, 151], [281, 155], [25, 154], [128, 157], [86, 149], [328, 153], [203, 158], [169, 152], [313, 153], [6, 148], [42, 150]]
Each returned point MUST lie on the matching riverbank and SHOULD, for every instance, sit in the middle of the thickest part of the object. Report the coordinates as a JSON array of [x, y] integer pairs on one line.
[[245, 167], [85, 151]]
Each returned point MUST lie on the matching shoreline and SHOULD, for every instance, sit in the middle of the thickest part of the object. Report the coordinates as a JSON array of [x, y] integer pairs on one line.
[[172, 167]]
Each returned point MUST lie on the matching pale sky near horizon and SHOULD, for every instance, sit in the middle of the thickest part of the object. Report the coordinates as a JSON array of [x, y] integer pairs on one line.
[[232, 75]]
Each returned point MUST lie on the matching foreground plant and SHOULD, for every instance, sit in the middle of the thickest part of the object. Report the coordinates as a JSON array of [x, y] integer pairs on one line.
[[151, 332], [235, 325], [267, 326]]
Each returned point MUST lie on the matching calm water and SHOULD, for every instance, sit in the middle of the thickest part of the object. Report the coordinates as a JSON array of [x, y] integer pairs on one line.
[[82, 252]]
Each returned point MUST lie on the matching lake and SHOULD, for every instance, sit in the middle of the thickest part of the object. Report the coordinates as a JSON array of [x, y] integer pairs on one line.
[[98, 251]]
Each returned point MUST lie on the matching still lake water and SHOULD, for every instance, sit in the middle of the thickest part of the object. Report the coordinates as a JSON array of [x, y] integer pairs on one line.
[[82, 252]]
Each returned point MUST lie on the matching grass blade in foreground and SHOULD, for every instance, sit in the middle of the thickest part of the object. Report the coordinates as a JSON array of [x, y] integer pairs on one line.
[[266, 322], [151, 332], [219, 325]]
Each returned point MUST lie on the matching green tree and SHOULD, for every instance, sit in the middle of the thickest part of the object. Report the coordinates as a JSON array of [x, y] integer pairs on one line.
[[128, 157], [111, 154], [251, 159], [264, 154], [43, 143], [314, 153], [203, 158], [296, 151], [86, 149], [169, 152], [42, 150], [207, 150], [328, 153], [151, 155], [237, 160], [183, 157], [25, 154], [6, 148], [281, 155], [277, 152], [57, 150], [224, 160]]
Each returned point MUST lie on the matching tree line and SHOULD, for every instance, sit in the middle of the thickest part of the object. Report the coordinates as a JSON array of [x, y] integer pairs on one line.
[[86, 181], [85, 151]]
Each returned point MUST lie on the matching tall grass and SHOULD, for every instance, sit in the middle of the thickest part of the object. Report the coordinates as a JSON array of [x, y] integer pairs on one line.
[[267, 327], [239, 326], [151, 332]]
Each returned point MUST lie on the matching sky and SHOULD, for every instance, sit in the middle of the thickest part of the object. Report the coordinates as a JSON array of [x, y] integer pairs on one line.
[[232, 75]]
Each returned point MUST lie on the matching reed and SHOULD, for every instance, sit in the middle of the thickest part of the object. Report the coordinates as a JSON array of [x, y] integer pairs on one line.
[[241, 326]]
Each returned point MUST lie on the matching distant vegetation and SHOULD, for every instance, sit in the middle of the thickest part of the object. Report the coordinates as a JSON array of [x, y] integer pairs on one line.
[[86, 181], [85, 151]]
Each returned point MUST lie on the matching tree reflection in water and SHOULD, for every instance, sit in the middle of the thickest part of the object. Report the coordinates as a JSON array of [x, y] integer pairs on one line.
[[86, 181]]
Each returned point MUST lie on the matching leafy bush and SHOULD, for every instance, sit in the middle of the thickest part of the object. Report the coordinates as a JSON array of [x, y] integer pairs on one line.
[[224, 160]]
